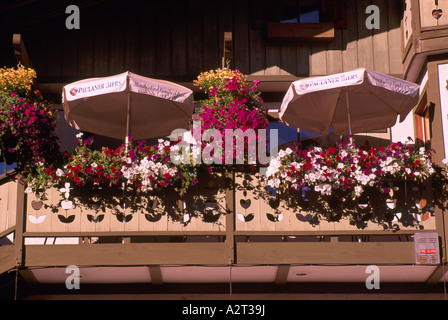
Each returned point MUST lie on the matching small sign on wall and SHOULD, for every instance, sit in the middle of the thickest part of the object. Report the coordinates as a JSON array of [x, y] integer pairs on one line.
[[426, 246]]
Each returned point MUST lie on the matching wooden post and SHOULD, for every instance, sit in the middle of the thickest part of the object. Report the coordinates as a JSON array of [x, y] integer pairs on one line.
[[227, 57], [20, 51], [230, 221], [20, 224]]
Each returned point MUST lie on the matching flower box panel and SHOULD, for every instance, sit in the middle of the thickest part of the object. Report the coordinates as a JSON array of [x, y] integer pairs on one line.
[[308, 210], [202, 209]]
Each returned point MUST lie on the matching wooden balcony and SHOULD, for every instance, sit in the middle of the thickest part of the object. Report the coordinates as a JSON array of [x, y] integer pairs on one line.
[[232, 225]]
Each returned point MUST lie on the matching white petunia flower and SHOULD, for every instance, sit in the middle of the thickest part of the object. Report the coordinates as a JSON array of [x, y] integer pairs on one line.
[[358, 190]]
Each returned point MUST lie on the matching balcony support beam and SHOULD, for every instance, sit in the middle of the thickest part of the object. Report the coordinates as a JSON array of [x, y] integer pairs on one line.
[[156, 275], [282, 274]]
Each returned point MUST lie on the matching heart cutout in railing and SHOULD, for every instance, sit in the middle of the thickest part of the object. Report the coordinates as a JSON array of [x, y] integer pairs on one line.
[[36, 205], [66, 204], [437, 13], [245, 203]]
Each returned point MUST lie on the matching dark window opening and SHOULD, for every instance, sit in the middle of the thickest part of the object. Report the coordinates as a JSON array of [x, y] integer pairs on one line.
[[300, 11]]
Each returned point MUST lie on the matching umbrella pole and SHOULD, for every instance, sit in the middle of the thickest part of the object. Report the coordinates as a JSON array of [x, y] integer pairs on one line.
[[128, 118], [348, 115]]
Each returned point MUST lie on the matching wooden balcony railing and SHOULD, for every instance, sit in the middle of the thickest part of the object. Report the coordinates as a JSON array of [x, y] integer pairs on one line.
[[204, 212], [217, 225]]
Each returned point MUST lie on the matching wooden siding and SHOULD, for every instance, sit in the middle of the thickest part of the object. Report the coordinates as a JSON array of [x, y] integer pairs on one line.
[[180, 39]]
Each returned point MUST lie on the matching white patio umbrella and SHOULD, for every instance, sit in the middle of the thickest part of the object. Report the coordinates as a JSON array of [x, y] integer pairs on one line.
[[352, 102], [127, 105]]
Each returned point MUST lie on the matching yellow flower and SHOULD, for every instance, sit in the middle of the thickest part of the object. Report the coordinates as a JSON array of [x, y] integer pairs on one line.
[[17, 80], [215, 78]]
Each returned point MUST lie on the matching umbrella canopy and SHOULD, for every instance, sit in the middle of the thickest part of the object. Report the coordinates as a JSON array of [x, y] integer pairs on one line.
[[127, 105], [352, 102]]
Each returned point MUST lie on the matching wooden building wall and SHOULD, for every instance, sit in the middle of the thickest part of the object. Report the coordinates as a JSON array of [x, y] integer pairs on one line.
[[179, 39]]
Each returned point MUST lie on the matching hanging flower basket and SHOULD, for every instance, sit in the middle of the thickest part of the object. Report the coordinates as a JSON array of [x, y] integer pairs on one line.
[[27, 122]]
